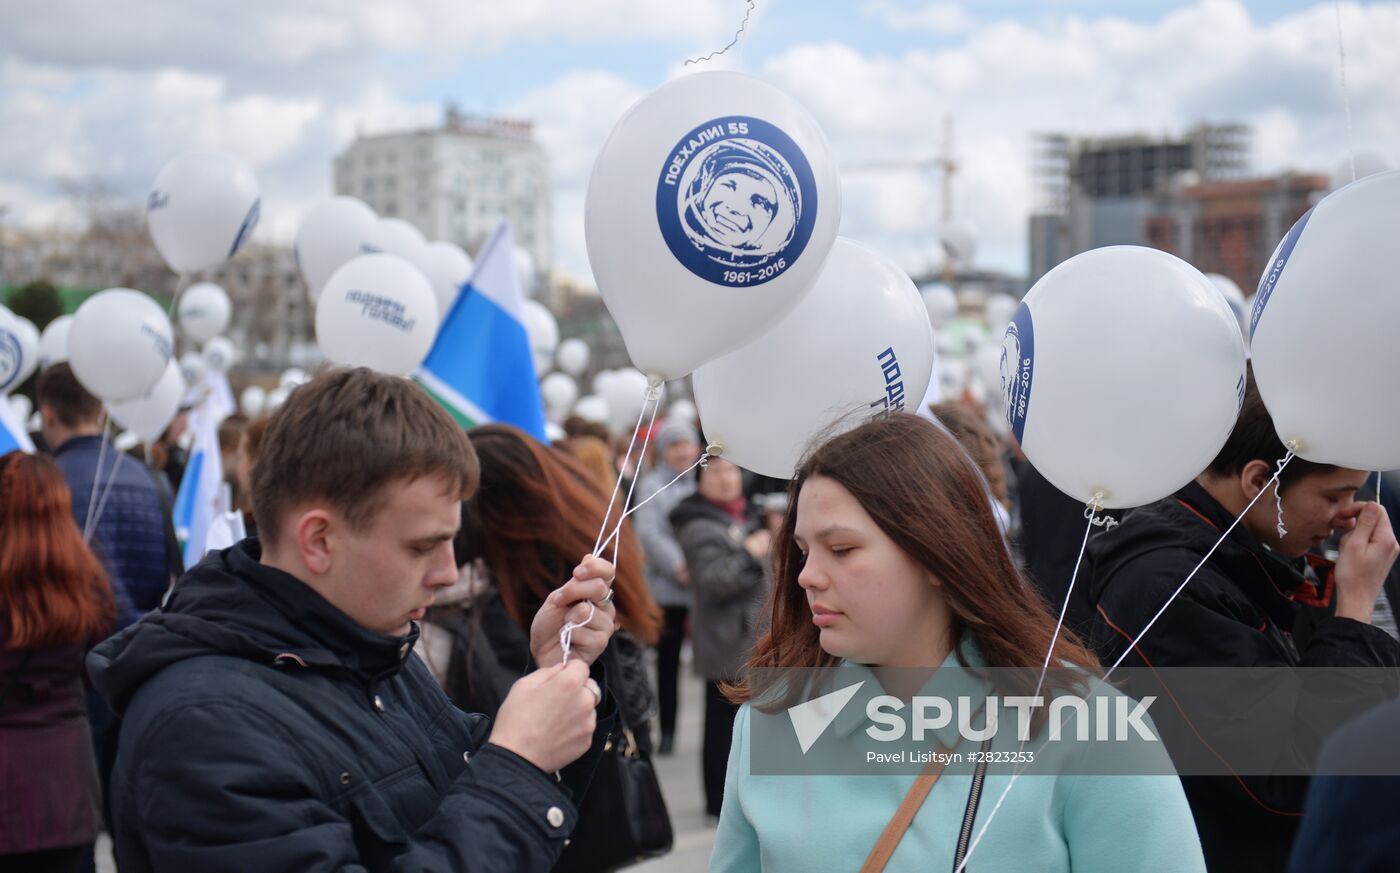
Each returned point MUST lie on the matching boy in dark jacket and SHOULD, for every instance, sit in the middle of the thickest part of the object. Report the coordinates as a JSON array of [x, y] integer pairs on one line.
[[1255, 603], [276, 718]]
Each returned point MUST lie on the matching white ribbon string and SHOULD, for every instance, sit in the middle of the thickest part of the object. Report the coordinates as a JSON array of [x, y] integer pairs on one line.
[[704, 461], [1346, 95], [96, 476], [1091, 510], [107, 489], [1131, 647], [653, 400]]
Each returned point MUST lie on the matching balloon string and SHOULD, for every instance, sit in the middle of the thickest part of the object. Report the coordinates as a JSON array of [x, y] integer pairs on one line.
[[97, 474], [1132, 646], [743, 25], [107, 490], [181, 282], [710, 451], [1346, 95], [1378, 487], [1091, 510], [653, 399], [653, 393]]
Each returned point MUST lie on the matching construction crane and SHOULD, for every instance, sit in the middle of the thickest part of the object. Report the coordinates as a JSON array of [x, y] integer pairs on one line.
[[955, 245]]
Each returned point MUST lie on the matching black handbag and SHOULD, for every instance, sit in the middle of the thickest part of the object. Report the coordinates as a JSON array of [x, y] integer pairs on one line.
[[622, 818]]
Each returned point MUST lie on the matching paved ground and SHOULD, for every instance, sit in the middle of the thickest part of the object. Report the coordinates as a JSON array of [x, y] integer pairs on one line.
[[680, 779]]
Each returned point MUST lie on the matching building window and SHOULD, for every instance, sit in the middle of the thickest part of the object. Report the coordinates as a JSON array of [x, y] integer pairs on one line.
[[391, 208]]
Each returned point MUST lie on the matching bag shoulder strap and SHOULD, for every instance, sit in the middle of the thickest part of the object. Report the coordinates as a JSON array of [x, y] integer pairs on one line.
[[903, 817]]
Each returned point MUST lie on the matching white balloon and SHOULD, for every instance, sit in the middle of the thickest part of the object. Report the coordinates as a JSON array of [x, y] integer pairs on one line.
[[275, 398], [1000, 309], [601, 379], [292, 377], [21, 406], [1330, 288], [559, 391], [193, 368], [202, 209], [126, 441], [148, 416], [626, 393], [543, 331], [220, 354], [859, 345], [592, 408], [525, 269], [709, 213], [952, 378], [447, 268], [1367, 162], [959, 240], [940, 302], [1122, 374], [683, 410], [331, 233], [553, 432], [1234, 298], [119, 344], [253, 400], [204, 311], [394, 236], [19, 350], [53, 341], [377, 311], [572, 356]]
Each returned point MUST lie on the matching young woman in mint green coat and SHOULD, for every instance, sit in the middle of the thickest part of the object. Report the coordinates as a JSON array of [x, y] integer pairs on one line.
[[891, 558]]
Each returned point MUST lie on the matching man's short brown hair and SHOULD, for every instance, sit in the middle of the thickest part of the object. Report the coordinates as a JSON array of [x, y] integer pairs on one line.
[[60, 390], [1255, 439], [344, 437]]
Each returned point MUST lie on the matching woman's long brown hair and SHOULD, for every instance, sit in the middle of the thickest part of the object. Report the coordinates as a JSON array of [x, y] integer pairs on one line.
[[536, 514], [923, 491], [53, 590]]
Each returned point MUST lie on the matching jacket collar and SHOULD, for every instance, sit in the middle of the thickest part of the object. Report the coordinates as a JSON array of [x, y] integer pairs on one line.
[[1270, 580], [334, 638], [92, 441]]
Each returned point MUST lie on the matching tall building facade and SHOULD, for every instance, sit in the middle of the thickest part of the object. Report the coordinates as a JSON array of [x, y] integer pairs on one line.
[[456, 181], [1232, 227], [1100, 191]]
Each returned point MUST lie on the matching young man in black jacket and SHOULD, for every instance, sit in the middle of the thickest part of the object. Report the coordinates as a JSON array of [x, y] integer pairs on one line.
[[1260, 601], [275, 716]]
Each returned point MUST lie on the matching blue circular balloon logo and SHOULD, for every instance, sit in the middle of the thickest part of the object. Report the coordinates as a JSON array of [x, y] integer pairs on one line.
[[11, 359], [1018, 369], [736, 201]]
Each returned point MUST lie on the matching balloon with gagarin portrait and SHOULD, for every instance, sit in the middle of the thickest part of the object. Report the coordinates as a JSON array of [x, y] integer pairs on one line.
[[736, 201]]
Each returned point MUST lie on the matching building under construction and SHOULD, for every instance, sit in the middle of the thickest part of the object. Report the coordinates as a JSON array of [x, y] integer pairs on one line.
[[1099, 191]]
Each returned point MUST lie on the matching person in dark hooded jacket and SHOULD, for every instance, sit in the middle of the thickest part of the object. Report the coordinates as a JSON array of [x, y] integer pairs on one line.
[[726, 548], [275, 716], [1254, 603]]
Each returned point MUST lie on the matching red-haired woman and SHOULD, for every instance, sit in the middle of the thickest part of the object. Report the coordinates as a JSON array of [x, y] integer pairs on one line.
[[889, 564], [538, 509], [54, 603]]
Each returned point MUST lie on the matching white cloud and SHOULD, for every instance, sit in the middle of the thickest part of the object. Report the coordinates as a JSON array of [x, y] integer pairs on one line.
[[287, 86], [940, 18], [1205, 62]]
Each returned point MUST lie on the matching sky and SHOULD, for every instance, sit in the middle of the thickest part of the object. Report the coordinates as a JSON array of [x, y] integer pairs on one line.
[[112, 91]]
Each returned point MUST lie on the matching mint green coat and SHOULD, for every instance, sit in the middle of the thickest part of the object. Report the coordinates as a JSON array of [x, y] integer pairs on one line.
[[1047, 824]]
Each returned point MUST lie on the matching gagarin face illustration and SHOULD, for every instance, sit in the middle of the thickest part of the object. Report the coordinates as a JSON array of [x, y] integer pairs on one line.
[[1010, 366], [739, 206]]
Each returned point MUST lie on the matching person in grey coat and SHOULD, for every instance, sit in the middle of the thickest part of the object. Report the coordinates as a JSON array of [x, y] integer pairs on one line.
[[726, 548], [677, 448]]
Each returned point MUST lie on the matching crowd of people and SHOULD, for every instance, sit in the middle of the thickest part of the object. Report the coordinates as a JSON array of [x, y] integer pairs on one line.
[[423, 657]]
